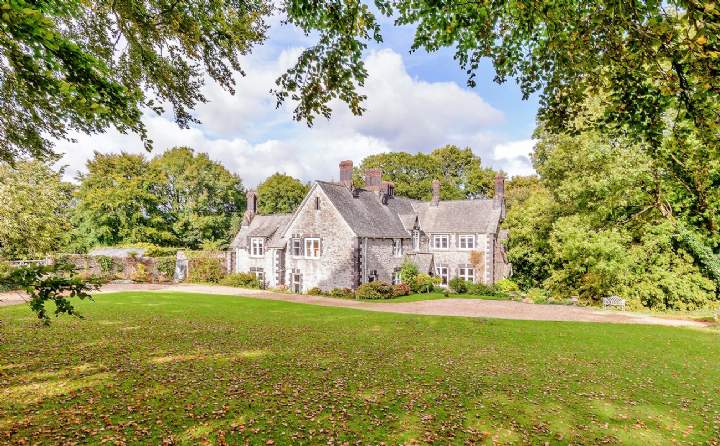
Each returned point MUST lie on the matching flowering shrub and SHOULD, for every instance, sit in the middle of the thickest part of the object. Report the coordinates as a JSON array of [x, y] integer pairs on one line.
[[375, 290], [401, 289]]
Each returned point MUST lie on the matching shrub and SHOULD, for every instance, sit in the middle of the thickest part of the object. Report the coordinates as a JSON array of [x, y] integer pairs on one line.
[[166, 266], [507, 286], [343, 293], [106, 264], [482, 289], [315, 291], [408, 272], [206, 269], [424, 283], [537, 295], [5, 270], [240, 280], [459, 285], [140, 274], [374, 290], [401, 289]]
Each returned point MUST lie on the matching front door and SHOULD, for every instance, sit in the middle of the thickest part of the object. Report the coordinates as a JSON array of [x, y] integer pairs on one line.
[[296, 283]]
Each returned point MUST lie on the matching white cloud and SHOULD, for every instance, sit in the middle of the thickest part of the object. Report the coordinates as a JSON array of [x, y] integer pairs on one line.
[[250, 137], [514, 157]]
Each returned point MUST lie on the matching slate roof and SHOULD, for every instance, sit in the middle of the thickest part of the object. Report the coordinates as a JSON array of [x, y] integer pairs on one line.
[[268, 226], [366, 215], [458, 216]]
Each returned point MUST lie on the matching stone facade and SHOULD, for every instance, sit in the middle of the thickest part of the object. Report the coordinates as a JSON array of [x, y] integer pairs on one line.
[[342, 236]]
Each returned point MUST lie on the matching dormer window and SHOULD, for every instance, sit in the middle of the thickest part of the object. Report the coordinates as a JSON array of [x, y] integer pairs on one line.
[[416, 239], [257, 246]]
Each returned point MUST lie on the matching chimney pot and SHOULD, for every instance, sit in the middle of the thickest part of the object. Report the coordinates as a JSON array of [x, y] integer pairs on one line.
[[436, 192], [251, 208]]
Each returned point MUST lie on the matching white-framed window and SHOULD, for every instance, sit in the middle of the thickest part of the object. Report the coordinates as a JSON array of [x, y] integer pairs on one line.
[[466, 241], [466, 272], [259, 274], [257, 246], [441, 241], [443, 273], [312, 247], [397, 247], [396, 279], [296, 247], [416, 239], [372, 277]]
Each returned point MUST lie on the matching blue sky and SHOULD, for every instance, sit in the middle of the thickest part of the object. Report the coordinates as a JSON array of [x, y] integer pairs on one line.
[[416, 102]]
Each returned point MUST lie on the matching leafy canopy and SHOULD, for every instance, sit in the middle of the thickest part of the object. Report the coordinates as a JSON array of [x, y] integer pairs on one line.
[[280, 194], [34, 209]]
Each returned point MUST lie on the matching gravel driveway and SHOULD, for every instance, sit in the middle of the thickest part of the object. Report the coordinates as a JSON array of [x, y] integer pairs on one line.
[[501, 309]]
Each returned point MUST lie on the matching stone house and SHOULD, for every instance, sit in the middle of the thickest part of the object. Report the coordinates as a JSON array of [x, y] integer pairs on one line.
[[342, 236]]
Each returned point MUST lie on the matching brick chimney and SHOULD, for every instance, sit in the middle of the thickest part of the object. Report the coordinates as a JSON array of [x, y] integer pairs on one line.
[[435, 193], [346, 171], [373, 179], [499, 199], [251, 208]]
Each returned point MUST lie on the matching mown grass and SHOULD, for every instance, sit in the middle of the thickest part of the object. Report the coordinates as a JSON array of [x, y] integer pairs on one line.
[[154, 368]]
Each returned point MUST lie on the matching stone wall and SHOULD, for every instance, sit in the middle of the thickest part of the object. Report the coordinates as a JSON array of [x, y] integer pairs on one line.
[[379, 257], [334, 267], [453, 257]]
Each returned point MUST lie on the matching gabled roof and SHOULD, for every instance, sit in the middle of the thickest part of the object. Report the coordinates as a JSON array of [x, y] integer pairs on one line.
[[458, 216], [423, 261], [268, 226], [366, 215]]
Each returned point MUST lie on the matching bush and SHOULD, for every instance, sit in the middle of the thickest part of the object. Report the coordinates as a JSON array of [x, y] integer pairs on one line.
[[106, 264], [537, 295], [166, 266], [374, 290], [401, 289], [482, 289], [5, 270], [315, 291], [459, 285], [343, 293], [206, 269], [424, 283], [507, 286], [408, 272], [240, 280]]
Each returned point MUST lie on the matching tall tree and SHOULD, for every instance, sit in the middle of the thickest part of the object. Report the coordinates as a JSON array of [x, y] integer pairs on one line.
[[460, 171], [34, 209], [118, 201], [198, 197], [87, 65], [280, 194]]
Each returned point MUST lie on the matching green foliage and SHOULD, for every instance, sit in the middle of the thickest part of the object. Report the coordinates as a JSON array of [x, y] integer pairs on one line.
[[507, 286], [280, 194], [481, 289], [34, 209], [106, 264], [64, 70], [5, 269], [166, 266], [424, 283], [537, 295], [342, 293], [198, 197], [315, 291], [408, 272], [459, 285], [374, 290], [204, 268], [459, 170], [240, 280], [57, 283], [401, 289]]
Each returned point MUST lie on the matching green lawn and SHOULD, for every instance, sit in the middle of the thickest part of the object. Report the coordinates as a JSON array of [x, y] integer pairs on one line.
[[193, 369]]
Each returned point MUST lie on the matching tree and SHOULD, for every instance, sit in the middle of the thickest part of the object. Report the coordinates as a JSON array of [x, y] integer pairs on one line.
[[198, 197], [86, 66], [649, 59], [34, 209], [459, 170], [119, 201], [280, 194]]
